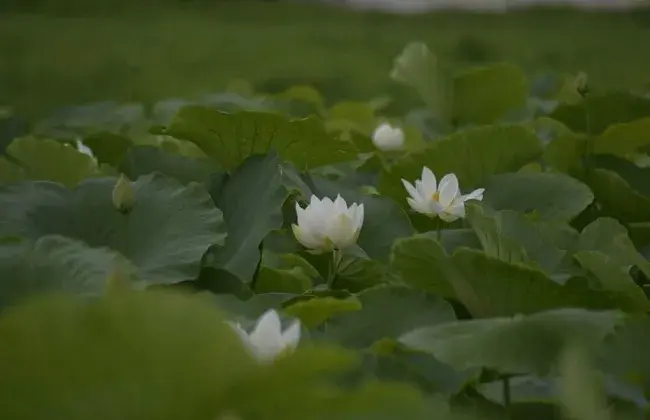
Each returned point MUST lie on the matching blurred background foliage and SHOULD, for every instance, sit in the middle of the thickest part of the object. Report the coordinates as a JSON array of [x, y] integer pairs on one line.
[[56, 53]]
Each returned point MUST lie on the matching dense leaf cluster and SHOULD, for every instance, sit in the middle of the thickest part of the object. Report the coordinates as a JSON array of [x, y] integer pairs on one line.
[[534, 303]]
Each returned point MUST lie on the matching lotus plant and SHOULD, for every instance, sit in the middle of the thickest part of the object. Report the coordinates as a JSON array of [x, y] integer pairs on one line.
[[326, 225], [385, 137], [442, 199], [267, 340]]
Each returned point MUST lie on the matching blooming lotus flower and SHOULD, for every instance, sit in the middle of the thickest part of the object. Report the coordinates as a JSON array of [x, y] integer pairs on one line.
[[443, 200], [267, 341], [326, 225], [386, 137]]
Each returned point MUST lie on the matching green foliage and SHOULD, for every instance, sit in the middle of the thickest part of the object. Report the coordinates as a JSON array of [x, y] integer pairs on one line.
[[231, 138], [164, 235], [533, 304]]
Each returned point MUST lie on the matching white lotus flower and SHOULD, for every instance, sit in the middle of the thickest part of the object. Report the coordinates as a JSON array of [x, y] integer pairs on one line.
[[81, 147], [386, 137], [326, 225], [443, 200], [267, 341]]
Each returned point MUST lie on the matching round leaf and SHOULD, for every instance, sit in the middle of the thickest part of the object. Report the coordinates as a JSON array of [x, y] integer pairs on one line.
[[165, 235], [551, 196], [231, 138], [521, 344], [56, 264], [251, 201]]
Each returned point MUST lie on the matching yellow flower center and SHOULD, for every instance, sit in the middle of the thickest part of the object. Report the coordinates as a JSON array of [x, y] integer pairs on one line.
[[435, 196]]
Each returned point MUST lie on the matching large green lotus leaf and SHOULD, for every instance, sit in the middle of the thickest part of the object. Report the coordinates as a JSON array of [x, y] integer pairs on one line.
[[488, 286], [430, 375], [359, 116], [387, 312], [491, 287], [417, 67], [423, 264], [231, 138], [50, 160], [512, 237], [498, 288], [56, 264], [384, 221], [165, 235], [485, 94], [611, 238], [633, 174], [286, 273], [144, 160], [626, 353], [357, 273], [251, 201], [10, 172], [108, 147], [612, 276], [551, 196], [582, 395], [529, 389], [455, 238], [623, 139], [519, 344], [565, 152], [146, 356], [621, 187], [473, 155], [602, 111], [282, 280], [313, 312], [617, 197], [303, 93]]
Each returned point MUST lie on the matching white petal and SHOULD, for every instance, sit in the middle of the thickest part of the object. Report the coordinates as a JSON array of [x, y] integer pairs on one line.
[[340, 205], [359, 219], [243, 335], [415, 194], [434, 207], [81, 147], [386, 137], [266, 337], [448, 190], [307, 238], [341, 231], [454, 212], [314, 201], [420, 188], [429, 186], [420, 206], [474, 195], [352, 214], [380, 133], [327, 206], [291, 336], [268, 322]]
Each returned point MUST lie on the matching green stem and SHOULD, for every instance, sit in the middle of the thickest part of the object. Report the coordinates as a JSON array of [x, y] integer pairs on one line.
[[439, 233], [506, 395], [587, 149], [337, 255]]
